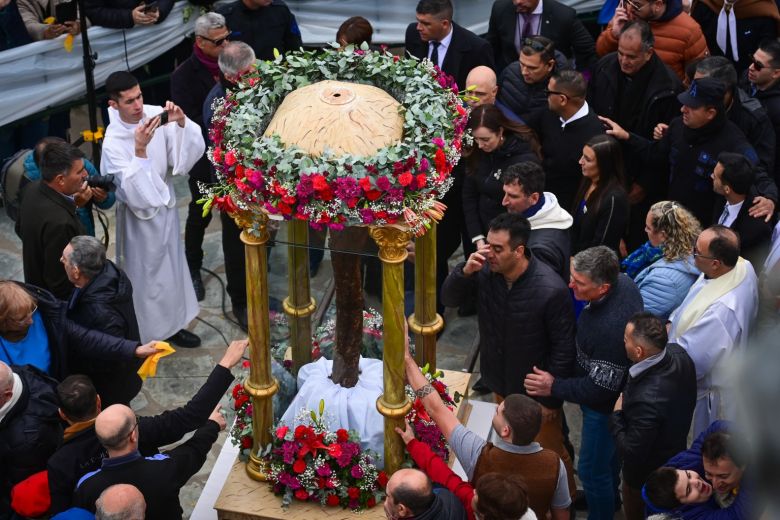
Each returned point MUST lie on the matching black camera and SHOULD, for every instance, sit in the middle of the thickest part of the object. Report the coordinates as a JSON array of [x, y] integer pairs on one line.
[[104, 182]]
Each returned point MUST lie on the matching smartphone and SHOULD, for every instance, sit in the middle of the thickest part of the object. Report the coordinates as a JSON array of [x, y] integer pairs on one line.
[[164, 118], [65, 12], [151, 6]]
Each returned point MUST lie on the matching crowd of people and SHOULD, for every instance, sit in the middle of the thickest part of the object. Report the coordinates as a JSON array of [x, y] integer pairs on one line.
[[615, 209]]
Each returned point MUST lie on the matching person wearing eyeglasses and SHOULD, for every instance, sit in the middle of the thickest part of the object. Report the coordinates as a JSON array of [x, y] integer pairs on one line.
[[30, 428], [734, 28], [714, 321], [191, 82], [523, 82], [749, 115], [684, 152], [678, 38], [764, 84], [563, 130]]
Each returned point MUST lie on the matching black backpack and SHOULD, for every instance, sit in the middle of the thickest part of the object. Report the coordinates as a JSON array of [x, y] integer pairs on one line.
[[12, 181]]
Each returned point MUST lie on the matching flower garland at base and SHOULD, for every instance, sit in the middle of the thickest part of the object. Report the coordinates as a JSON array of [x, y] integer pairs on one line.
[[313, 464], [399, 184]]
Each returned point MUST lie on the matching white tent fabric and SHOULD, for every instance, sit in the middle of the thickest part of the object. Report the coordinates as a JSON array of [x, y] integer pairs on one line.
[[42, 74]]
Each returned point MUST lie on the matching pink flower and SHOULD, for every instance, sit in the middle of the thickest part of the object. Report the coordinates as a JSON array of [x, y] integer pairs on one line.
[[230, 158]]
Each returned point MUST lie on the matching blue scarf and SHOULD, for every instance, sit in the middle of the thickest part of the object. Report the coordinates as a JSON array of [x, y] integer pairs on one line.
[[643, 256]]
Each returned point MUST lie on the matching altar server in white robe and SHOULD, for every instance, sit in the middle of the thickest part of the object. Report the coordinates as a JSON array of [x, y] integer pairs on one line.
[[713, 322], [144, 156]]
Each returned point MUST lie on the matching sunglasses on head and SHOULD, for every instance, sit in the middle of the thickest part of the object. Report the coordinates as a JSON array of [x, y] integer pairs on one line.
[[535, 45]]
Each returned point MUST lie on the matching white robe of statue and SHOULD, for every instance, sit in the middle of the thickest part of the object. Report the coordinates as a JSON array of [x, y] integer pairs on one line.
[[148, 243], [349, 408], [712, 342]]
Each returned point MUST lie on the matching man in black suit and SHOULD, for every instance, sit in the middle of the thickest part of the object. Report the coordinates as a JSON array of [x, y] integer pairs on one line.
[[732, 178], [47, 217], [511, 21], [454, 49], [191, 82]]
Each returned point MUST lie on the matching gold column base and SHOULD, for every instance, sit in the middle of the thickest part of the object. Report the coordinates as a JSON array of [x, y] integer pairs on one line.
[[255, 468]]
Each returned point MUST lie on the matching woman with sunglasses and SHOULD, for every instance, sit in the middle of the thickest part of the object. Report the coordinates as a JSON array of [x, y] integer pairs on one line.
[[665, 262], [601, 206], [498, 144]]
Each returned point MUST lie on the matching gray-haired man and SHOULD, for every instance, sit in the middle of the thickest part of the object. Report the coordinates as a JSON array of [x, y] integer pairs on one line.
[[102, 300], [602, 367], [191, 82]]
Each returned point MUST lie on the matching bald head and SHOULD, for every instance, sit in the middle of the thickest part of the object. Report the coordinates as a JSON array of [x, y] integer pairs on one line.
[[120, 502], [409, 493], [6, 383], [115, 428], [484, 79]]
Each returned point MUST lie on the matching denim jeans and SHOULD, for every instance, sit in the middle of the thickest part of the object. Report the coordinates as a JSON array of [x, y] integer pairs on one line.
[[598, 466]]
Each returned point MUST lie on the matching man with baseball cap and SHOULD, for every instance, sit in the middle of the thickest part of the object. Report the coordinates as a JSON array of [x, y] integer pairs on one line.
[[686, 151]]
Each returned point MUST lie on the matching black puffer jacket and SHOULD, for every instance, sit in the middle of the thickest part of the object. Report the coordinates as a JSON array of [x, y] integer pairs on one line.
[[657, 409], [69, 340], [525, 98], [106, 304], [530, 324], [29, 433], [483, 189]]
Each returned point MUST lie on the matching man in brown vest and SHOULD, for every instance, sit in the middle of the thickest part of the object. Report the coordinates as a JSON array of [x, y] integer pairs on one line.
[[516, 423]]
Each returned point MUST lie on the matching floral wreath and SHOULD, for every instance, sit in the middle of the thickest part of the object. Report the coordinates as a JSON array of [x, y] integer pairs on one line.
[[399, 184]]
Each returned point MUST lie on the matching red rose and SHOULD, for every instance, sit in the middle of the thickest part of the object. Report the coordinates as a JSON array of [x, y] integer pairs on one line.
[[239, 170], [299, 466], [326, 195], [371, 502], [284, 208], [365, 183], [351, 203], [237, 390], [382, 479], [319, 183], [301, 494], [353, 492], [217, 155], [342, 435], [421, 180], [300, 431], [440, 160], [373, 194], [334, 450], [332, 500], [281, 431], [405, 179], [246, 442]]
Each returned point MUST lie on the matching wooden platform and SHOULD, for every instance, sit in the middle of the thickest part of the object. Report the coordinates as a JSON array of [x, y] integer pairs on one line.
[[245, 499]]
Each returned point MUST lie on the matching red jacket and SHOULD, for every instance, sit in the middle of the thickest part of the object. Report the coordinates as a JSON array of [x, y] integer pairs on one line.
[[438, 471]]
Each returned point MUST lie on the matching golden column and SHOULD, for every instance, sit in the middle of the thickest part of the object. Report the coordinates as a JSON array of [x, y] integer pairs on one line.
[[260, 384], [393, 404], [425, 323], [299, 305]]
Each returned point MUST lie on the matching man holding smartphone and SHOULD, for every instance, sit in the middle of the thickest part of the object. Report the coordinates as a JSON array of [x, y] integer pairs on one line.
[[144, 155]]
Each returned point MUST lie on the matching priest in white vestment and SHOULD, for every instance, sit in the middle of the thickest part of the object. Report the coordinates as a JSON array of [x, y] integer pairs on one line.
[[713, 322], [144, 156]]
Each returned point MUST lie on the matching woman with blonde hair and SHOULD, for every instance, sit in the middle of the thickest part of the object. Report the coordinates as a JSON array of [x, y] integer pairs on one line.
[[665, 282]]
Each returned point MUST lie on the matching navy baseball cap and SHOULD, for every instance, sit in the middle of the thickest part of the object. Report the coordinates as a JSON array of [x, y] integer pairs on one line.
[[703, 91]]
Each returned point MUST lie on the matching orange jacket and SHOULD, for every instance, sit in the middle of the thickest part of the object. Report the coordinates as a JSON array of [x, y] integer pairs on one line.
[[678, 42]]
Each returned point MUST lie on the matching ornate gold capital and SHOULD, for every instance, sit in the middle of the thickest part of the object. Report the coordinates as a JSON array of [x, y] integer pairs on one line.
[[392, 242], [254, 225], [393, 411]]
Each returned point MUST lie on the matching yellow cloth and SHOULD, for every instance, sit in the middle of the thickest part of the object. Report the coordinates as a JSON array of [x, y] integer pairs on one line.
[[149, 368], [68, 43], [708, 294]]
